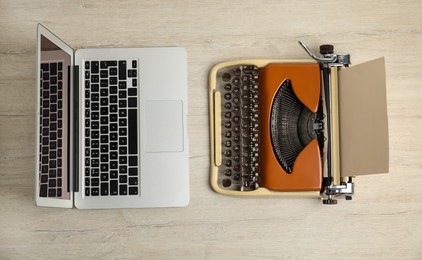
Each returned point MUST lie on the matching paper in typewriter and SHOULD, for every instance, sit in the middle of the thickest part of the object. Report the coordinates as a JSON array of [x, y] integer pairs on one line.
[[363, 119]]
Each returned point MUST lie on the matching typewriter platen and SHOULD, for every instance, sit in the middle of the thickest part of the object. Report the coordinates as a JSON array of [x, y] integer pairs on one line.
[[275, 126]]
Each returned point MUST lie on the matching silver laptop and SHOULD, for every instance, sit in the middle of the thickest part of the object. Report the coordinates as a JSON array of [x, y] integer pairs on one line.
[[111, 126]]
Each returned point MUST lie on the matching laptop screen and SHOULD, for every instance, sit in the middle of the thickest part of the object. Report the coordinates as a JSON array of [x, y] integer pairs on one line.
[[53, 144]]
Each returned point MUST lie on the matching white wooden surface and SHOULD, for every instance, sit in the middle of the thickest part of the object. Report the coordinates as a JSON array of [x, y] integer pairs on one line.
[[384, 221]]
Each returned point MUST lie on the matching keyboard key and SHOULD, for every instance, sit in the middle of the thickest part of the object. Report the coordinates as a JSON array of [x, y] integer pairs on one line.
[[59, 192], [113, 187], [113, 117], [133, 131], [52, 183], [95, 182], [95, 172], [105, 64], [104, 167], [43, 190], [104, 189], [122, 70], [122, 84], [133, 160], [53, 68], [122, 169], [113, 108], [122, 178], [94, 67], [87, 192], [113, 80], [103, 73], [113, 127], [132, 92], [123, 159], [122, 122], [104, 83], [52, 192], [122, 103], [114, 174], [132, 102], [113, 155], [104, 158], [113, 165], [123, 189], [122, 141], [122, 94], [134, 82], [134, 64], [95, 191], [133, 190], [132, 73], [44, 178], [133, 181], [95, 78], [104, 176], [113, 146], [113, 71]]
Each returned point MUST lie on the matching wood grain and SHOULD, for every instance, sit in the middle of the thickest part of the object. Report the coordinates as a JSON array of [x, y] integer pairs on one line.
[[384, 221]]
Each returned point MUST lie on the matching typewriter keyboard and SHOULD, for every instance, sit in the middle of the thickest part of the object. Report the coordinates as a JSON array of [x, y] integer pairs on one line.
[[53, 132], [111, 128], [238, 86]]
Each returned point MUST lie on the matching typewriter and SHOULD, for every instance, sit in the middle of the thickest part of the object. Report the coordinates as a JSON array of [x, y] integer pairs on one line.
[[297, 128]]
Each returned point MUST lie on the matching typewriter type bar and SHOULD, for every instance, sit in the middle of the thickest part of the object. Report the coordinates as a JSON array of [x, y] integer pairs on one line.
[[275, 127]]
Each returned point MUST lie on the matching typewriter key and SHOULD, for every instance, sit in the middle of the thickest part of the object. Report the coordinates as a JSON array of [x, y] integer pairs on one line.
[[228, 134], [236, 177], [236, 81], [228, 87], [226, 183], [228, 153], [228, 143], [228, 172], [228, 115], [227, 96], [237, 71], [236, 91], [226, 77], [228, 106], [228, 124], [228, 163]]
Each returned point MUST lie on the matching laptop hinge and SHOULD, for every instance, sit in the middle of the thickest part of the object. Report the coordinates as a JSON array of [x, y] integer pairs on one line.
[[75, 120]]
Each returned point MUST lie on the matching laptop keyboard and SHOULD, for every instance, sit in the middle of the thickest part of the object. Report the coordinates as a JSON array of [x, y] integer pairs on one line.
[[53, 132], [111, 128]]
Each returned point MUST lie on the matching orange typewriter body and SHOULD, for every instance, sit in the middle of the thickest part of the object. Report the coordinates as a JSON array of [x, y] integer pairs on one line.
[[306, 174]]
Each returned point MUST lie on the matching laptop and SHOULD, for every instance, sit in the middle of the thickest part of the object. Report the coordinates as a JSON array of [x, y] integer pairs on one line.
[[111, 126]]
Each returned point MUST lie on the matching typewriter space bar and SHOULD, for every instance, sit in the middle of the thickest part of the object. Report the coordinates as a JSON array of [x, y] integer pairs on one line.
[[217, 128]]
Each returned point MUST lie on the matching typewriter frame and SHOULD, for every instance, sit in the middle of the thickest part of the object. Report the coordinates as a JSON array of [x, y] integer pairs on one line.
[[337, 186]]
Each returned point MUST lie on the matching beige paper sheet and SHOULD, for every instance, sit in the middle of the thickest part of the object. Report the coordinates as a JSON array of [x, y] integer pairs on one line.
[[363, 119]]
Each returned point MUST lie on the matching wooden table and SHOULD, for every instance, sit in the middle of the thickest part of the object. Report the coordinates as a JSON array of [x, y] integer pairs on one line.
[[383, 221]]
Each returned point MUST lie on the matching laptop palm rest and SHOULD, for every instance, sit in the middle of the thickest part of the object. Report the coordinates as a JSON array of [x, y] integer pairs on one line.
[[164, 126]]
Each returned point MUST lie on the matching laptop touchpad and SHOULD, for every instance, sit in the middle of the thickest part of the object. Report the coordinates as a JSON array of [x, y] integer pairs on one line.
[[164, 126]]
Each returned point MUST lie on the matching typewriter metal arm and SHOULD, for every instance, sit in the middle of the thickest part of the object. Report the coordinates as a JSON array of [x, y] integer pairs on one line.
[[330, 63]]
